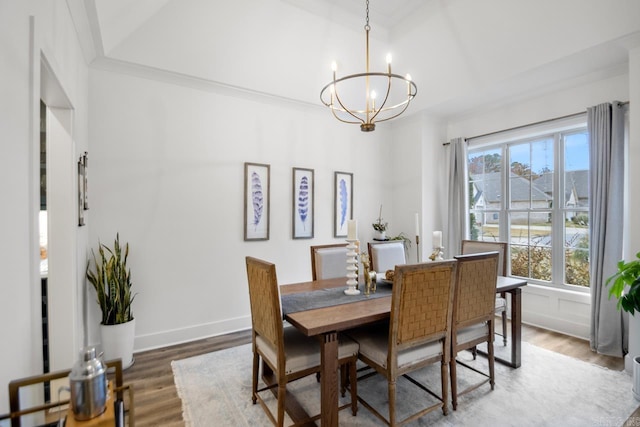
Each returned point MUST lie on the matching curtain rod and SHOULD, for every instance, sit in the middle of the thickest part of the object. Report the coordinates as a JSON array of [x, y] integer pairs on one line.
[[568, 116]]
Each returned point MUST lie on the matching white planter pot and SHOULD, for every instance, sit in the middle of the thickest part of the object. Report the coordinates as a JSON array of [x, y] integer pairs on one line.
[[117, 342], [634, 342], [636, 377], [380, 235]]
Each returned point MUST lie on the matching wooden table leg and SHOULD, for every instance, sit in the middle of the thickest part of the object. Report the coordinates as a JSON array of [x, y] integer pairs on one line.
[[329, 380], [516, 327], [516, 331]]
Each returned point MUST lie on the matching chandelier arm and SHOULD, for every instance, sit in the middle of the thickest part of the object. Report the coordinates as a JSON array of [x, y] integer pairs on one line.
[[345, 109], [386, 97], [406, 105]]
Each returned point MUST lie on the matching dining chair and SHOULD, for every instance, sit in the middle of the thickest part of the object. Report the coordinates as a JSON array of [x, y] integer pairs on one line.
[[477, 246], [385, 255], [328, 261], [473, 314], [417, 335], [289, 353]]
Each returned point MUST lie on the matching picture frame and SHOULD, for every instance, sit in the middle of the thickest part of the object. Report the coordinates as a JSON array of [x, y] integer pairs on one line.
[[81, 192], [342, 202], [257, 182], [303, 203]]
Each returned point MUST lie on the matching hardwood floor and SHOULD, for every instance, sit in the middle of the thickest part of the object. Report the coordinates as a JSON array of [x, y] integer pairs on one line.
[[157, 402]]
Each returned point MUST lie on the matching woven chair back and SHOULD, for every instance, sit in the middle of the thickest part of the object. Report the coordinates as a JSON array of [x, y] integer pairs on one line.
[[477, 246], [264, 298], [422, 302], [475, 290]]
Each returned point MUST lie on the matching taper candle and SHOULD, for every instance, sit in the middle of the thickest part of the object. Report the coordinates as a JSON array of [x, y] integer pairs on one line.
[[352, 229], [417, 225]]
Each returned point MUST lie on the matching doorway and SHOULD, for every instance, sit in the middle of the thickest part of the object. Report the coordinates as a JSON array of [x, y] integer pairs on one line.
[[63, 304]]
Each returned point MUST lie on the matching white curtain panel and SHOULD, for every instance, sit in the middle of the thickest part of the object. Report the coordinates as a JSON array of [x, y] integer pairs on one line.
[[458, 224], [606, 192]]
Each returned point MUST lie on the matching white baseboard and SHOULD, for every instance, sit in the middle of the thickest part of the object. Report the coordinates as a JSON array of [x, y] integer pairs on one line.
[[191, 333]]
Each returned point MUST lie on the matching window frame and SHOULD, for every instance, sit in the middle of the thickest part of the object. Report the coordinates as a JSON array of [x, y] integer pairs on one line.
[[558, 130]]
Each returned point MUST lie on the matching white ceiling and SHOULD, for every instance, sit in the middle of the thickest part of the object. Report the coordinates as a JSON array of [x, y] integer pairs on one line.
[[461, 53]]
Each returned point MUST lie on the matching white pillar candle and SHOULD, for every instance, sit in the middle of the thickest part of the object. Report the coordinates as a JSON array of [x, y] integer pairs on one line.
[[352, 229], [437, 239], [417, 225]]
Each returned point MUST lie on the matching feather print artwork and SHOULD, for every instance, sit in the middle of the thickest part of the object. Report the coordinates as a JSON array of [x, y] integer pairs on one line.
[[343, 202], [303, 200], [256, 198]]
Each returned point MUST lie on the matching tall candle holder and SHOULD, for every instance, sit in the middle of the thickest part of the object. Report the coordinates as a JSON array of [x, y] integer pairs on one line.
[[417, 248], [352, 268], [437, 254]]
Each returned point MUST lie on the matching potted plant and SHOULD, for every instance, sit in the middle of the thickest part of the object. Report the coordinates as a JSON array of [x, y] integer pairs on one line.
[[111, 278], [625, 285], [628, 275], [380, 227]]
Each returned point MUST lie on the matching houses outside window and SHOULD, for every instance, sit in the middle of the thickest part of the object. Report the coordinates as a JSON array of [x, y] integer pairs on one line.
[[531, 189]]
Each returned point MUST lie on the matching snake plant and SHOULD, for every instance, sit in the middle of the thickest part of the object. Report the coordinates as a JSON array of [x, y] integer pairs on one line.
[[112, 281]]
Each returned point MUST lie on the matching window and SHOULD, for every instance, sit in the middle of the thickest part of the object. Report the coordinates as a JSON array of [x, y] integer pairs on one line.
[[531, 188]]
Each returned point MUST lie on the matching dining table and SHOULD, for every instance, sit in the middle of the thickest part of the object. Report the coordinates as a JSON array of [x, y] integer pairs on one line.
[[318, 308]]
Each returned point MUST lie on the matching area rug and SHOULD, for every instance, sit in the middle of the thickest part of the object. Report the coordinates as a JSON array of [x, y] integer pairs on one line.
[[549, 389]]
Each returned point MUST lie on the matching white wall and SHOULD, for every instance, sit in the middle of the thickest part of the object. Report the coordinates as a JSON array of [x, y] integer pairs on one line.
[[167, 174], [50, 35], [418, 182], [559, 310]]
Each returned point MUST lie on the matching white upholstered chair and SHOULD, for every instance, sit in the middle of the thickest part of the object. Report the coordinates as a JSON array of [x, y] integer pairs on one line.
[[476, 246], [386, 255], [328, 261]]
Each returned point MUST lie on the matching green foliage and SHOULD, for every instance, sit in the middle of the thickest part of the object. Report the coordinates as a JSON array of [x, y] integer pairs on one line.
[[581, 219], [112, 281], [405, 240], [538, 259], [627, 278], [379, 225]]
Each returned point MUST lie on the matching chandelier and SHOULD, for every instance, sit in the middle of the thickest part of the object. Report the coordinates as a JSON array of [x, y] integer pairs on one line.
[[344, 96]]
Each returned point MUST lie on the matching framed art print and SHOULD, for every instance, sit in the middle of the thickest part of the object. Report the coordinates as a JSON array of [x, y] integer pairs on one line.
[[342, 202], [256, 201], [303, 203]]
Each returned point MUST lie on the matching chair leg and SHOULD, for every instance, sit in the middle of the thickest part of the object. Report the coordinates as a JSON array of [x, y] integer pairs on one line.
[[344, 378], [504, 328], [353, 375], [491, 358], [454, 381], [282, 393], [392, 402], [254, 380], [445, 389]]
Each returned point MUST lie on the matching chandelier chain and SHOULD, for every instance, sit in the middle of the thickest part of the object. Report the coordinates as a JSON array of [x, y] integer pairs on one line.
[[366, 26]]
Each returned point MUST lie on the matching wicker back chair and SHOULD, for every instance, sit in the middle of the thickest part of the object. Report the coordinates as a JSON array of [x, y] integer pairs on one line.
[[418, 333], [476, 246], [328, 261], [287, 352], [473, 313]]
